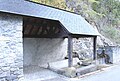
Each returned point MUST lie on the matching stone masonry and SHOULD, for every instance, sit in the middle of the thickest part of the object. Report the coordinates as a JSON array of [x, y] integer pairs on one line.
[[113, 52], [11, 49]]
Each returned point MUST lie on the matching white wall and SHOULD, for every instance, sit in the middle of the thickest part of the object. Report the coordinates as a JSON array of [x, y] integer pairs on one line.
[[116, 54], [40, 51]]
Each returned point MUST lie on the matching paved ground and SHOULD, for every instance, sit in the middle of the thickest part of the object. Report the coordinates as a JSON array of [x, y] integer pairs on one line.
[[37, 74]]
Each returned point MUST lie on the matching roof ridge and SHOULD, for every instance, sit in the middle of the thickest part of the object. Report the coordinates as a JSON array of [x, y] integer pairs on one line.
[[53, 7]]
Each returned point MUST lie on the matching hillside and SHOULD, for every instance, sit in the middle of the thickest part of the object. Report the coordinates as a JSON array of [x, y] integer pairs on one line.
[[102, 14]]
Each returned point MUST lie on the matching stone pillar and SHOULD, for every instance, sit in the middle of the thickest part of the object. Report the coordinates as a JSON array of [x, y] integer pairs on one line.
[[11, 49], [70, 50]]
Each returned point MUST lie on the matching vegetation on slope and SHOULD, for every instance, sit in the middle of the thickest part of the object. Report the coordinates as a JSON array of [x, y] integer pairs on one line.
[[55, 3]]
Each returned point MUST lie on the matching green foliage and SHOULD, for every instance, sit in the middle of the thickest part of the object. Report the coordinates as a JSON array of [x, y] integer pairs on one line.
[[94, 15], [112, 33], [55, 3], [110, 8]]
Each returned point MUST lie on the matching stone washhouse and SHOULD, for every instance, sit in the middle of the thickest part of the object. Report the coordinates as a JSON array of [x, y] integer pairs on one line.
[[33, 34]]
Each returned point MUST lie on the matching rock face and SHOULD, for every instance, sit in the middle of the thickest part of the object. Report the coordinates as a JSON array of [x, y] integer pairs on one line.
[[11, 52], [103, 41], [83, 47]]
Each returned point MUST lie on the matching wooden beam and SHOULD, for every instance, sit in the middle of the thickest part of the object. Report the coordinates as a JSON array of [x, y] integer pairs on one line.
[[38, 24], [44, 36], [94, 48], [82, 36], [70, 49]]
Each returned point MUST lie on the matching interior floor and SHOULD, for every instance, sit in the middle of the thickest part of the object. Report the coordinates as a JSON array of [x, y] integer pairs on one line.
[[35, 73]]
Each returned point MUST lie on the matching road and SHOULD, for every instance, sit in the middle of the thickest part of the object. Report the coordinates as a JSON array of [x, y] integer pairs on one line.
[[110, 74]]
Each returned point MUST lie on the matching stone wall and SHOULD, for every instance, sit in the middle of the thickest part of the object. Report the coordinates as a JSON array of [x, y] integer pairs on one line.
[[11, 49], [83, 47], [40, 51]]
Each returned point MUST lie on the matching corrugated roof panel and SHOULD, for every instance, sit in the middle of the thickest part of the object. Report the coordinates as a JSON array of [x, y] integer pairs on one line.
[[72, 22]]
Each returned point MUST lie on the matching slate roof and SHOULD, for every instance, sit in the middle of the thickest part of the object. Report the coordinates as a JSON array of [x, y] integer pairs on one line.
[[74, 23]]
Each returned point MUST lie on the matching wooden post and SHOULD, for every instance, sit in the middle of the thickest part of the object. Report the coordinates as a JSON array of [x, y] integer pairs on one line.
[[70, 49], [94, 48]]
